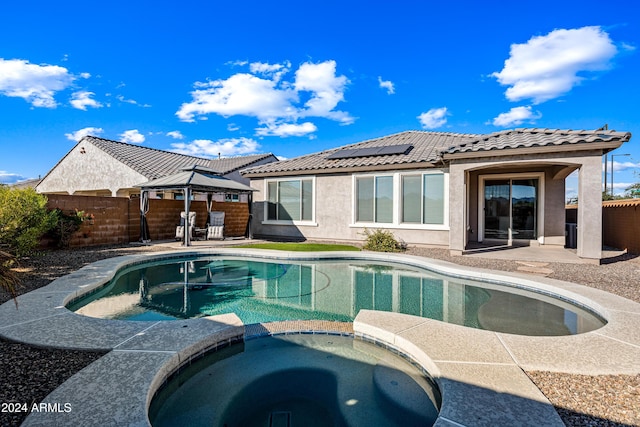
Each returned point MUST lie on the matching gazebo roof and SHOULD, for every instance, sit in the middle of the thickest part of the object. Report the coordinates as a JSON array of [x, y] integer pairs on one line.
[[198, 178]]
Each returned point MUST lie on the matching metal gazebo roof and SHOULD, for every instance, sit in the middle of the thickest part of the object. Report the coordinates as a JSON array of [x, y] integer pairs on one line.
[[199, 179], [195, 178]]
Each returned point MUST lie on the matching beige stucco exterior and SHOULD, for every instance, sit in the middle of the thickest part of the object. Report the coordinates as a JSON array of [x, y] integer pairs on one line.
[[334, 217], [334, 206], [552, 169], [87, 170]]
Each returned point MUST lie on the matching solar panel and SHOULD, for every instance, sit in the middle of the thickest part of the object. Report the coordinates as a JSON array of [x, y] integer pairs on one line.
[[349, 153]]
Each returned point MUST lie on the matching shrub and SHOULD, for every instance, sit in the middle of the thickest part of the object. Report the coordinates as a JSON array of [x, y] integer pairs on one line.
[[381, 241], [8, 278], [65, 226], [24, 218]]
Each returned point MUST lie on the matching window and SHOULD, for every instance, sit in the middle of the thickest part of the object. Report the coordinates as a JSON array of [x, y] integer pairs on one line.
[[231, 197], [374, 199], [423, 199], [290, 200]]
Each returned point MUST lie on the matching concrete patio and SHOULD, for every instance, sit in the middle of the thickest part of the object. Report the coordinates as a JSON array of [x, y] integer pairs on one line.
[[480, 373]]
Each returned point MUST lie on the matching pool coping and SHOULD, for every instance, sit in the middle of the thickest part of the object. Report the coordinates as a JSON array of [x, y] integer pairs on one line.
[[480, 373]]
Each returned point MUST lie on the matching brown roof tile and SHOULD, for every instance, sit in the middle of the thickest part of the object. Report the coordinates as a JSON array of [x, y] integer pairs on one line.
[[429, 147], [526, 138], [154, 163], [426, 148]]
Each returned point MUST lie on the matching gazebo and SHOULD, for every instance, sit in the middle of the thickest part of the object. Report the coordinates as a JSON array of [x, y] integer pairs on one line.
[[190, 180]]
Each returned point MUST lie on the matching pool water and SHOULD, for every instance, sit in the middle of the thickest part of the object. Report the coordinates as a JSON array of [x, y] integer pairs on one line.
[[266, 290], [298, 380]]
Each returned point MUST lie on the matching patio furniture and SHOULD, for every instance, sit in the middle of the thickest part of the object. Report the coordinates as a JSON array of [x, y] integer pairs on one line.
[[215, 230], [192, 225]]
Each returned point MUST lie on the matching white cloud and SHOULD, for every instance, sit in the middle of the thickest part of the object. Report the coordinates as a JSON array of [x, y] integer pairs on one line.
[[546, 67], [225, 147], [82, 99], [286, 129], [10, 178], [269, 98], [132, 136], [434, 118], [516, 116], [327, 90], [241, 94], [131, 101], [36, 84], [276, 71], [175, 134], [623, 166], [386, 84], [79, 134]]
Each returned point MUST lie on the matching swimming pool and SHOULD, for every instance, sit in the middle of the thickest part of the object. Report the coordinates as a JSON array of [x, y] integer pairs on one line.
[[266, 290], [298, 380]]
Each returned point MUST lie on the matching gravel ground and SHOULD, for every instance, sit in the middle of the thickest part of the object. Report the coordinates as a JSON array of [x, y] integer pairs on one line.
[[28, 374]]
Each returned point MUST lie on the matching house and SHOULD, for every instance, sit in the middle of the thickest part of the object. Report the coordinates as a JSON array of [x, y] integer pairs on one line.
[[446, 189], [101, 167]]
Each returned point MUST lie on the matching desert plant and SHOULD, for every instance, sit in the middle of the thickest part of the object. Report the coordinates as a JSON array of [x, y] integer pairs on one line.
[[381, 241], [66, 225], [8, 279], [24, 218]]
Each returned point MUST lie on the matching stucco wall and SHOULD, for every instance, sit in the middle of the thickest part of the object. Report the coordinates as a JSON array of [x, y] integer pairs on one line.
[[333, 216], [554, 167], [88, 170]]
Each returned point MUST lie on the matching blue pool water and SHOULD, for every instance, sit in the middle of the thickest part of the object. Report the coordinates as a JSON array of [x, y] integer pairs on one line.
[[266, 290], [298, 380]]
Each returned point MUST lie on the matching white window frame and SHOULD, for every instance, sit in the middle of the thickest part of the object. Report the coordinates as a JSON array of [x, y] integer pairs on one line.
[[397, 202], [311, 222]]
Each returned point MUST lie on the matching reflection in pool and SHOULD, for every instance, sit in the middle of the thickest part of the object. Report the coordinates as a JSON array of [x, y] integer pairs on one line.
[[265, 290]]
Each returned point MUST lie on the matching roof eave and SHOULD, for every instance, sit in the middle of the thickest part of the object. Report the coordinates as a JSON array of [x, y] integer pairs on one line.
[[605, 146], [329, 171]]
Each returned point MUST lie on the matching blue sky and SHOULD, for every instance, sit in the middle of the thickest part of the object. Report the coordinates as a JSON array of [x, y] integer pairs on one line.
[[296, 77]]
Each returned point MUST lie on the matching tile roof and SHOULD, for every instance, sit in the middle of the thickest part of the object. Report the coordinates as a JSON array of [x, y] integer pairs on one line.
[[527, 138], [426, 148], [154, 163], [431, 147]]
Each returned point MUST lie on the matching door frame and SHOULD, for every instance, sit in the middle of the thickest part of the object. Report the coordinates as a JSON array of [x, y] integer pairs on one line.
[[540, 201]]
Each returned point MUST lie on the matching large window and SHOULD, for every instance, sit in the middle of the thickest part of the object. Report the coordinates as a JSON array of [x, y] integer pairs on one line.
[[290, 200], [374, 201], [423, 199]]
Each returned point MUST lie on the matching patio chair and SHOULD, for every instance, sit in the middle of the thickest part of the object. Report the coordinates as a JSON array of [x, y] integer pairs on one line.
[[180, 227], [215, 230]]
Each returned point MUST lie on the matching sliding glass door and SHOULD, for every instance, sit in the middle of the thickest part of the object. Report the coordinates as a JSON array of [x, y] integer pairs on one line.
[[510, 205]]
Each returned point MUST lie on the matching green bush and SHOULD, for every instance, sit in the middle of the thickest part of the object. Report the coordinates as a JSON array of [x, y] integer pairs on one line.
[[381, 241], [24, 218], [65, 226], [8, 278]]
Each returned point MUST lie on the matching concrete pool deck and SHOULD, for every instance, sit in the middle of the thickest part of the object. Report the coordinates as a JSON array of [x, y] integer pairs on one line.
[[480, 373]]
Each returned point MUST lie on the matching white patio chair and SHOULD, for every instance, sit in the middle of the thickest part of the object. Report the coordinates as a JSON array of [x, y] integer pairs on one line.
[[216, 226], [192, 225]]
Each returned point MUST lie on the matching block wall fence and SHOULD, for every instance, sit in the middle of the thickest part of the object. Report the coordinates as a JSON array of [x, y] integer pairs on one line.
[[116, 220], [620, 223]]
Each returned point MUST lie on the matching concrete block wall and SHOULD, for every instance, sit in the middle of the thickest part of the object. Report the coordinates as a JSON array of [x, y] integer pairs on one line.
[[109, 226], [117, 220]]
